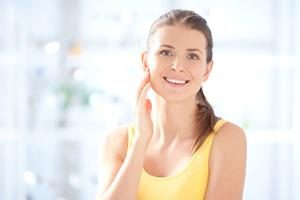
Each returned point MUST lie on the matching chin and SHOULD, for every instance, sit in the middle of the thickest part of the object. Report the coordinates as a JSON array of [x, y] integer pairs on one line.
[[172, 96]]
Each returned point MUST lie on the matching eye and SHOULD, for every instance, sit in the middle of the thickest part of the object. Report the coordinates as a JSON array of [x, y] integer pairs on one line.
[[166, 52], [193, 56]]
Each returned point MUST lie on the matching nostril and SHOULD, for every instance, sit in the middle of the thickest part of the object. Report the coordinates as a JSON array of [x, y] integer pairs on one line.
[[176, 68]]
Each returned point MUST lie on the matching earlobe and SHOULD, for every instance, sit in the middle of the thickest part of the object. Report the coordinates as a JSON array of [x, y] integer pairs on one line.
[[144, 61]]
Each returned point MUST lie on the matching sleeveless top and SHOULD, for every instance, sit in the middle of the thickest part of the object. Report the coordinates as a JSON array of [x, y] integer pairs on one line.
[[188, 184]]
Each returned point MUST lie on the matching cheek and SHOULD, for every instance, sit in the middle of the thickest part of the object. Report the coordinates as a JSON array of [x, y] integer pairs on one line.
[[198, 70], [195, 71], [156, 62], [156, 66]]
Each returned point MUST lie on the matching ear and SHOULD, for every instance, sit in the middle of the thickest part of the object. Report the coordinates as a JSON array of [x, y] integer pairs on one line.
[[145, 61], [208, 68]]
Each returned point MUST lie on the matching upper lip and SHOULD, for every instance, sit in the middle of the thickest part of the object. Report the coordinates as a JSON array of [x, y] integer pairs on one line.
[[176, 78]]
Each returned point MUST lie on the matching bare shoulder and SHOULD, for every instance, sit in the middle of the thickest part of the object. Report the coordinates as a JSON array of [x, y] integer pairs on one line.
[[114, 143], [112, 152], [230, 140], [227, 163], [230, 135]]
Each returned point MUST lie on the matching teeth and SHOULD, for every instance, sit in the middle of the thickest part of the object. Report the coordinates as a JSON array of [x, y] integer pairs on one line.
[[176, 81]]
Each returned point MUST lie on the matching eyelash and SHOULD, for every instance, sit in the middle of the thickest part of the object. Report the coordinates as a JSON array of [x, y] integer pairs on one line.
[[191, 56], [165, 53]]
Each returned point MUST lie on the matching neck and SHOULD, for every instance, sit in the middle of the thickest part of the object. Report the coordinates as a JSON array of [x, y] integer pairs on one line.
[[173, 121]]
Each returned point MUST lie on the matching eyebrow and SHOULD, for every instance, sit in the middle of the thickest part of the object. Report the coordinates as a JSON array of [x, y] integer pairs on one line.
[[168, 46], [195, 50], [171, 47]]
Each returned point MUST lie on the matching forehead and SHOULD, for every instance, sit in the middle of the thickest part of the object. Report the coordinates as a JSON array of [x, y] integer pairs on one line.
[[179, 37]]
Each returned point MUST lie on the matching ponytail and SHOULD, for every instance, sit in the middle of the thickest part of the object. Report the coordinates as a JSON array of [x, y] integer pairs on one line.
[[205, 119]]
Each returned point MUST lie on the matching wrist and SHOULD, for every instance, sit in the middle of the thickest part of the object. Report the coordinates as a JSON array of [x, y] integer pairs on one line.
[[141, 142]]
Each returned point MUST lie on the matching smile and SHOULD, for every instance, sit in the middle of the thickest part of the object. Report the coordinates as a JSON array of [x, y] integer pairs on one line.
[[173, 81]]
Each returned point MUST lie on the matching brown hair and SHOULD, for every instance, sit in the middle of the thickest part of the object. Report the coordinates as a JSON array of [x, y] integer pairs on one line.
[[205, 116]]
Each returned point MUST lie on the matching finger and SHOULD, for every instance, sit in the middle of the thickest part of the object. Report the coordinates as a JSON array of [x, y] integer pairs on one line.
[[144, 81], [148, 105], [144, 92]]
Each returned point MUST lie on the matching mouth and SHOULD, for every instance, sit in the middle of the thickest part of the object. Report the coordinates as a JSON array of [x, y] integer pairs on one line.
[[175, 82]]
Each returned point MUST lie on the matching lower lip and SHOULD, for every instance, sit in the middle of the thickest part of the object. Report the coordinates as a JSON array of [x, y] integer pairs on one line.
[[174, 85]]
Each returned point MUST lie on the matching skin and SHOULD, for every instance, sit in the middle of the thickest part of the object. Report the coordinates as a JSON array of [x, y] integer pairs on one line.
[[176, 52]]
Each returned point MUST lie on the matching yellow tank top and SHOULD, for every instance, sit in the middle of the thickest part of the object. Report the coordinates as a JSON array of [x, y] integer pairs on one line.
[[189, 184]]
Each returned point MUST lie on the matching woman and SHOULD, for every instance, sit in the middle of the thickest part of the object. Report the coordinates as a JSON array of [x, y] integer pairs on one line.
[[177, 149]]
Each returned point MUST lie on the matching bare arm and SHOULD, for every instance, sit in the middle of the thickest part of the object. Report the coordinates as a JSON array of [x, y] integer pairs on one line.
[[121, 172], [120, 177], [227, 164]]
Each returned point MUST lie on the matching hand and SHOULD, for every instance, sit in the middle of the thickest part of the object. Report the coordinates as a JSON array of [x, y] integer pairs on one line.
[[144, 124]]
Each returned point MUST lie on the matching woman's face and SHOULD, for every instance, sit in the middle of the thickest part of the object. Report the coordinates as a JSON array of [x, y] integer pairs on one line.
[[177, 63]]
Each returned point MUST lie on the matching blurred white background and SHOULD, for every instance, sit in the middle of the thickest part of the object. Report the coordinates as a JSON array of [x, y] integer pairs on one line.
[[69, 71]]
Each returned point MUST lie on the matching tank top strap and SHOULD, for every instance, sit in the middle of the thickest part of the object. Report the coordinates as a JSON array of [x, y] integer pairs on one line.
[[219, 124], [206, 146]]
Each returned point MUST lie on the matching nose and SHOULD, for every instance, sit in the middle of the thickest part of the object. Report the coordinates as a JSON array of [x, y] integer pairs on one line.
[[177, 65]]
